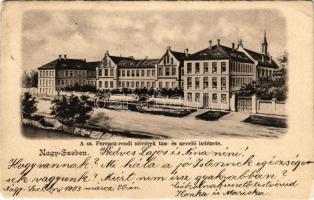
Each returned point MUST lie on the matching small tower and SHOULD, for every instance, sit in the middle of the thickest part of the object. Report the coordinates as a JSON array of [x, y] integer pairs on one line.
[[264, 45]]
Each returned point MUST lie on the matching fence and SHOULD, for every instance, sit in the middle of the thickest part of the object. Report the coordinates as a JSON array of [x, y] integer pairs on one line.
[[271, 107], [254, 105]]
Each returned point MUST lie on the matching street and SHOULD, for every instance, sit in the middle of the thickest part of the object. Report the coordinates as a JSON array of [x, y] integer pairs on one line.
[[174, 127]]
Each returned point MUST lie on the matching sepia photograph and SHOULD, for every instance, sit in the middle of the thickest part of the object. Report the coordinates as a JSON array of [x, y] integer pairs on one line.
[[162, 74]]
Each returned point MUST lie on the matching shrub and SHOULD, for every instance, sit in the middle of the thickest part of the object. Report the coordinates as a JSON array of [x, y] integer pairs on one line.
[[71, 110]]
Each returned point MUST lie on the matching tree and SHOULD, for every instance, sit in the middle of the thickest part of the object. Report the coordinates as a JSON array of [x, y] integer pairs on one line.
[[283, 60], [274, 86], [33, 78], [30, 79], [29, 105], [71, 110]]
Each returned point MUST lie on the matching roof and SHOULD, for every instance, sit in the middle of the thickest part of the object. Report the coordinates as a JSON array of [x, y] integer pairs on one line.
[[218, 53], [77, 64], [92, 65], [117, 59], [262, 62], [178, 55], [138, 63]]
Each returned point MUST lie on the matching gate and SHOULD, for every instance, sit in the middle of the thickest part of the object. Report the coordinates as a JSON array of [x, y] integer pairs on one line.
[[244, 104]]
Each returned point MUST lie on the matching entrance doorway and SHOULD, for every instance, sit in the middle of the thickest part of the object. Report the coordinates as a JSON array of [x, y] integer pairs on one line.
[[205, 100]]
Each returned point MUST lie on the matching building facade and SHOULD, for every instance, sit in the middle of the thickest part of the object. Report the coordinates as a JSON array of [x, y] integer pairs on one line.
[[116, 72], [213, 74], [64, 72], [170, 69]]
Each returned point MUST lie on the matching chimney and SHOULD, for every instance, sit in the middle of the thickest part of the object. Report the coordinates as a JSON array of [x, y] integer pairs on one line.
[[186, 52], [65, 56], [60, 57], [210, 44], [218, 42], [169, 48], [232, 46], [107, 53]]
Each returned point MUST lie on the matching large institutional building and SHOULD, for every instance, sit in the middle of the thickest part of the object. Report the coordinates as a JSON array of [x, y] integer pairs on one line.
[[209, 77], [63, 72], [214, 73]]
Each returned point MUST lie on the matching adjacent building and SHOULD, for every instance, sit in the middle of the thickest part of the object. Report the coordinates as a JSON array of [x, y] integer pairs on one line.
[[117, 72], [170, 69], [214, 73], [64, 72]]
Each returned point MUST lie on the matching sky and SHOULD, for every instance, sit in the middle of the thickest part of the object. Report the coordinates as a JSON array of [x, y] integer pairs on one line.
[[140, 33]]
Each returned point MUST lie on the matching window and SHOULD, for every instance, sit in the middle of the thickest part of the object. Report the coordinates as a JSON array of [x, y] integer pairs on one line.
[[160, 71], [197, 97], [111, 84], [232, 82], [214, 100], [127, 84], [132, 84], [189, 82], [153, 72], [214, 82], [173, 84], [197, 82], [197, 68], [46, 73], [142, 84], [106, 72], [205, 67], [189, 68], [111, 72], [214, 67], [223, 98], [167, 85], [171, 61], [106, 84], [173, 71], [189, 96], [142, 72], [62, 82], [71, 73], [160, 84], [153, 84], [66, 73], [123, 72], [137, 72], [205, 82], [148, 85], [223, 67], [167, 71], [223, 83], [99, 72], [128, 72], [120, 83], [100, 84], [137, 84], [148, 72], [133, 73]]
